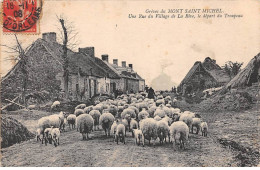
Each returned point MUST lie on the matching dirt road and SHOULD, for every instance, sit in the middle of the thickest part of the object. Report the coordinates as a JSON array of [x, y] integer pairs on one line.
[[102, 151]]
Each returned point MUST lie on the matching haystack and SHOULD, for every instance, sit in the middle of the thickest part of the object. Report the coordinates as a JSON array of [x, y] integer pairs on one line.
[[13, 132], [249, 75]]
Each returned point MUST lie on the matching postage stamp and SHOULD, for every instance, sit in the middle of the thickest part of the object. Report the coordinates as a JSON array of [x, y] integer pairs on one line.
[[21, 15]]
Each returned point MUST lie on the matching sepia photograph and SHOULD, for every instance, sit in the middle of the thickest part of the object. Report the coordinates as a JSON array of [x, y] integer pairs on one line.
[[129, 83]]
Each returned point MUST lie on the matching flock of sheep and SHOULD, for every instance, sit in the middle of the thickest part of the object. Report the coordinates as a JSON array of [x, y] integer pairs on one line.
[[146, 118]]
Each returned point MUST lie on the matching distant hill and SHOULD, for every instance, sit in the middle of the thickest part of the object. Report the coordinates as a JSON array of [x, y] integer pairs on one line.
[[163, 82]]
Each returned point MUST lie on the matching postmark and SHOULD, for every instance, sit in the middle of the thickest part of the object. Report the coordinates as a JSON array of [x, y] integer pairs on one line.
[[21, 15]]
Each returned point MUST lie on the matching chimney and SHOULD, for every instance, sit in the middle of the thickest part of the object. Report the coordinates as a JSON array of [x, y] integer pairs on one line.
[[131, 66], [88, 50], [115, 61], [49, 36], [104, 57], [123, 63]]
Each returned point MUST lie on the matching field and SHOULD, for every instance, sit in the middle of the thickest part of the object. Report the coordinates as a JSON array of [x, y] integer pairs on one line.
[[233, 140]]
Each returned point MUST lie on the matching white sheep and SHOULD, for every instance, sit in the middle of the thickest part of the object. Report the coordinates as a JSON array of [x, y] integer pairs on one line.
[[106, 120], [143, 114], [80, 106], [120, 110], [62, 119], [113, 110], [43, 123], [105, 106], [125, 122], [176, 110], [88, 109], [157, 118], [126, 106], [120, 133], [163, 130], [179, 131], [31, 107], [71, 119], [159, 97], [148, 127], [113, 127], [159, 102], [96, 115], [167, 111], [39, 134], [78, 112], [167, 120], [168, 98], [138, 136], [176, 117], [160, 112], [168, 105], [190, 113], [85, 123], [142, 105], [55, 136], [204, 129], [133, 125], [55, 104], [187, 118], [114, 102], [151, 110], [47, 122], [135, 109], [98, 107], [196, 123], [47, 135], [128, 114]]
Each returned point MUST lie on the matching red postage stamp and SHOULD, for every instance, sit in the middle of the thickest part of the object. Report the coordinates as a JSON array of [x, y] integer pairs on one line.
[[21, 15]]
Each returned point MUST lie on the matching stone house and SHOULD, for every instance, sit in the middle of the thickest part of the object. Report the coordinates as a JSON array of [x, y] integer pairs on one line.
[[45, 73]]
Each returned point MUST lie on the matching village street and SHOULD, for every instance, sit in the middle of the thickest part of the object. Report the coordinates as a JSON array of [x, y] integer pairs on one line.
[[102, 151]]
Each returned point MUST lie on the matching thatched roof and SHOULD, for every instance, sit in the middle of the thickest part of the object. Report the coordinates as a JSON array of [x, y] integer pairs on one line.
[[191, 71], [248, 75], [219, 75], [209, 66]]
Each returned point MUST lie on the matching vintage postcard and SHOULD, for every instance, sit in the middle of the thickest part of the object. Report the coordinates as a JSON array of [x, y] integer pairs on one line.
[[128, 83]]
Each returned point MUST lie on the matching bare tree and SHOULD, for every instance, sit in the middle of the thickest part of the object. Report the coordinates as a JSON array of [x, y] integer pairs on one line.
[[22, 58], [232, 68], [68, 36]]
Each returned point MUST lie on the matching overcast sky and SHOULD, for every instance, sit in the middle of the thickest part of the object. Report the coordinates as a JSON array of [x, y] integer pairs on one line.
[[153, 45]]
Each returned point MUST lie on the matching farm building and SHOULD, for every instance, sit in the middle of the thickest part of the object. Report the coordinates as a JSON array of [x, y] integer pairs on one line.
[[88, 75], [130, 80], [124, 78], [204, 75], [248, 76]]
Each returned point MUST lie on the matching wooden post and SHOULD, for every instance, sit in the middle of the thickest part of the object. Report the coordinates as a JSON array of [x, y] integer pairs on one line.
[[10, 103], [15, 103]]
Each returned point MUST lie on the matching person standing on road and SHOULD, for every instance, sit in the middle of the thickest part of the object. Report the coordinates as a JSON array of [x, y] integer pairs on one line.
[[151, 93]]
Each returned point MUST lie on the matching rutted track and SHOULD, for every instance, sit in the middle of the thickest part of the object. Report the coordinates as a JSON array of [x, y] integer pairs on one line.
[[102, 151]]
